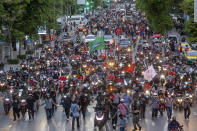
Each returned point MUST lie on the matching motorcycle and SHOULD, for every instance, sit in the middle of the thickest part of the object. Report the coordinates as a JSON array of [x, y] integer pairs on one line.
[[161, 106], [7, 105], [177, 128], [178, 104], [23, 107], [100, 118], [43, 92]]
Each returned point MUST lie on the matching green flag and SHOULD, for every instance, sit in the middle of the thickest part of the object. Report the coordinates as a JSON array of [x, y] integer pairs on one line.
[[97, 44]]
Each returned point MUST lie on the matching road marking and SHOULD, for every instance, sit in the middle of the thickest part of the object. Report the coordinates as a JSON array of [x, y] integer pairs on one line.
[[153, 123]]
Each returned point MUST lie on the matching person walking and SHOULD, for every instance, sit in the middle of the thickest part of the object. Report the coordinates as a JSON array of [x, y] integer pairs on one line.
[[187, 105], [136, 115], [15, 105], [169, 104], [66, 102], [30, 106], [75, 114], [123, 122], [48, 106]]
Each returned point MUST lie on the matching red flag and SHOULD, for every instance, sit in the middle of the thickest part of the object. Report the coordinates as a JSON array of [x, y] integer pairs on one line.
[[80, 77], [62, 78], [130, 69], [171, 73], [147, 86], [111, 77]]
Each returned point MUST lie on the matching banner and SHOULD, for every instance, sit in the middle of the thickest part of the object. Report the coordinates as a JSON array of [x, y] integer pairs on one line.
[[42, 30], [97, 44], [81, 2], [150, 73]]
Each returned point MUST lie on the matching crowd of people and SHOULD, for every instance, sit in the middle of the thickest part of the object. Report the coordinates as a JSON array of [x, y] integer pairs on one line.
[[68, 70]]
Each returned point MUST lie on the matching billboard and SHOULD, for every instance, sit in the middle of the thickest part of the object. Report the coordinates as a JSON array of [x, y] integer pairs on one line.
[[42, 30], [195, 10], [81, 2]]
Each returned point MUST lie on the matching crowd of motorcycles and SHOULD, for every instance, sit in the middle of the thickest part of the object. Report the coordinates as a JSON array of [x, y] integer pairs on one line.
[[64, 68]]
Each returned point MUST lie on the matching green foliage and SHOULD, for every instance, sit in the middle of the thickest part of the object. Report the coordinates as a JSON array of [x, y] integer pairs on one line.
[[13, 61], [21, 57], [30, 52], [158, 13], [190, 26]]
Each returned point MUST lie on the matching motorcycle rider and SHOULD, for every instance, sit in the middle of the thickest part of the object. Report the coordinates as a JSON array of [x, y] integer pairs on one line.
[[30, 106], [66, 102], [136, 115], [173, 125], [187, 105], [15, 105], [99, 98]]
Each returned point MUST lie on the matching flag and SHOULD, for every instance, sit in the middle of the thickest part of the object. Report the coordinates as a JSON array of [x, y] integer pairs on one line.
[[150, 73], [97, 44], [130, 69]]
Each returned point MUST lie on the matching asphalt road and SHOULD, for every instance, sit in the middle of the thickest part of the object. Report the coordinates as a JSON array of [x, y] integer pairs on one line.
[[59, 122]]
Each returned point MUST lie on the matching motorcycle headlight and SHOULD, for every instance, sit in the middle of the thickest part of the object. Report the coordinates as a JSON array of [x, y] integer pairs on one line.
[[7, 99], [147, 92]]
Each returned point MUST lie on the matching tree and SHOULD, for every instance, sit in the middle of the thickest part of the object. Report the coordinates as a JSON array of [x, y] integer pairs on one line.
[[158, 13], [11, 11], [190, 26]]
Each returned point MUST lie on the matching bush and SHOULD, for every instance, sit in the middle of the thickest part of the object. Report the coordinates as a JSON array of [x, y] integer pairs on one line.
[[13, 61], [30, 52], [22, 57]]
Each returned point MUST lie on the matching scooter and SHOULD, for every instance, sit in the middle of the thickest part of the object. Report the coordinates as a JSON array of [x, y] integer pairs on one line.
[[6, 105], [100, 118], [23, 107]]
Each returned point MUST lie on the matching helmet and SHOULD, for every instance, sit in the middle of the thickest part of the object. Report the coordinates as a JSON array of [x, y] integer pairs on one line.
[[174, 118], [155, 94], [187, 95], [122, 100]]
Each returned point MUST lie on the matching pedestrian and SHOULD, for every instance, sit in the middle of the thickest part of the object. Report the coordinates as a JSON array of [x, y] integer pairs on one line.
[[84, 104], [187, 105], [75, 114], [168, 104], [66, 102], [114, 115], [122, 124], [48, 106], [142, 106], [122, 107], [136, 115], [15, 105], [30, 106], [155, 105]]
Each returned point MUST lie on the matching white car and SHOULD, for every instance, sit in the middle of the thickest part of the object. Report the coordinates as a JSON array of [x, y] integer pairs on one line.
[[89, 38], [108, 38]]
